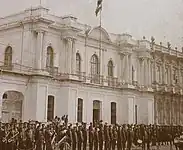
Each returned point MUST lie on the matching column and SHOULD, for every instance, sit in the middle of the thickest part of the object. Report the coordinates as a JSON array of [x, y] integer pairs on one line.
[[120, 67], [164, 109], [181, 108], [171, 110], [39, 50], [145, 72], [73, 61], [126, 68], [155, 110], [171, 74], [154, 70], [149, 70], [130, 69], [163, 71], [179, 112], [69, 55], [142, 72], [139, 71], [179, 74]]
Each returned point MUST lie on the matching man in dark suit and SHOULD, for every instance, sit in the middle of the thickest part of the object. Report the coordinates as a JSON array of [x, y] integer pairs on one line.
[[101, 137], [129, 138], [91, 137], [80, 137], [123, 136], [84, 131], [96, 139], [74, 138], [106, 136], [119, 146]]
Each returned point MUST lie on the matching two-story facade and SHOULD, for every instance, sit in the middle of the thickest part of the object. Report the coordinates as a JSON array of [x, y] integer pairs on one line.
[[52, 66]]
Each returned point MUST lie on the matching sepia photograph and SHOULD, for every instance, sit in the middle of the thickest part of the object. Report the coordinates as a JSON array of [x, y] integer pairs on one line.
[[91, 75]]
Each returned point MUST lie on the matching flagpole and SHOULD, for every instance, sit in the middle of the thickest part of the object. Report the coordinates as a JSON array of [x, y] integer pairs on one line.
[[100, 42]]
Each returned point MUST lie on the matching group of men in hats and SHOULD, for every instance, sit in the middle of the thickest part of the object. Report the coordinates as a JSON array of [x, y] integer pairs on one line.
[[58, 134]]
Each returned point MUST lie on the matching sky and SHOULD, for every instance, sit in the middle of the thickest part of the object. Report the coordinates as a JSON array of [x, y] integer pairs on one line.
[[162, 19]]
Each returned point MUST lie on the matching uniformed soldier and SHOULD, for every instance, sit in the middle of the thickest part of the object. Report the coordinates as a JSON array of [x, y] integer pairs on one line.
[[115, 136], [91, 137], [106, 137], [80, 137], [96, 139], [119, 139], [84, 130], [123, 137], [101, 137], [129, 138]]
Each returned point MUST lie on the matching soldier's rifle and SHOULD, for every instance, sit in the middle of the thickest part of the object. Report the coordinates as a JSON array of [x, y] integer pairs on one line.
[[12, 138], [5, 138]]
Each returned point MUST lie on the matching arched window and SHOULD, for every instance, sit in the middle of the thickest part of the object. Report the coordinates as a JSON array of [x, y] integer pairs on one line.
[[78, 63], [113, 113], [175, 79], [94, 65], [166, 75], [50, 108], [80, 110], [49, 59], [158, 74], [133, 74], [8, 56], [5, 96], [110, 68]]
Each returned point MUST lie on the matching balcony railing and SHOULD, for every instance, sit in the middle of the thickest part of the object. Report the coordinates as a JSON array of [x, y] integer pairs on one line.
[[16, 68], [112, 81], [96, 79], [81, 75], [7, 67], [52, 70]]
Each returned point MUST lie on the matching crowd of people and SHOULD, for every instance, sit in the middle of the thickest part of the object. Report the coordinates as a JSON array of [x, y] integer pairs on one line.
[[58, 134]]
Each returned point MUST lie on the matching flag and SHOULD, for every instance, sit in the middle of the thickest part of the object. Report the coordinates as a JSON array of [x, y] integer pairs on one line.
[[99, 7]]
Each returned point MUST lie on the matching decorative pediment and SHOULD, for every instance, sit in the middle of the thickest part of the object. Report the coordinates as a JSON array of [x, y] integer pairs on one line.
[[98, 32]]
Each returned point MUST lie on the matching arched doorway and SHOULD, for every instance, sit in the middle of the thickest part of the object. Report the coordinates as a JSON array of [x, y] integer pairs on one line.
[[12, 105], [96, 110]]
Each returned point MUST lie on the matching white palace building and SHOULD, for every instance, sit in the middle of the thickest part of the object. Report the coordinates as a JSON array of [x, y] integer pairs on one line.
[[54, 66]]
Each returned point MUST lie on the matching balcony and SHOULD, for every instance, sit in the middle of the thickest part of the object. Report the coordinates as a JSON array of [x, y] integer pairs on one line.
[[112, 81], [16, 68], [81, 76], [52, 70], [7, 67], [96, 79]]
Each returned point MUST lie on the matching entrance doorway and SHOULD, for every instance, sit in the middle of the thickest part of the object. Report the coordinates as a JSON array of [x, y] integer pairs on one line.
[[96, 111], [12, 106]]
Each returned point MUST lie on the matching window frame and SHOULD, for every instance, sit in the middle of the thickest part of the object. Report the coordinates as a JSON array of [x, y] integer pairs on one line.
[[8, 54], [50, 57], [78, 63], [113, 112], [80, 110]]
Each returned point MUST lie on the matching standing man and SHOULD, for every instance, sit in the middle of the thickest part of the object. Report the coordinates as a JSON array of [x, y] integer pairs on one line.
[[129, 138]]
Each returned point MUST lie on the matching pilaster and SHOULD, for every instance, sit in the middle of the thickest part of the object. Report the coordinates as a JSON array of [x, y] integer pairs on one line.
[[130, 69], [73, 62], [126, 68], [39, 51], [163, 70], [154, 70], [179, 74], [171, 74]]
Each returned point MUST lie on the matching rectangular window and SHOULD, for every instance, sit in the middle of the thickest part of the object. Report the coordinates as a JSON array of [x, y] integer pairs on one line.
[[80, 110], [113, 113], [50, 108]]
